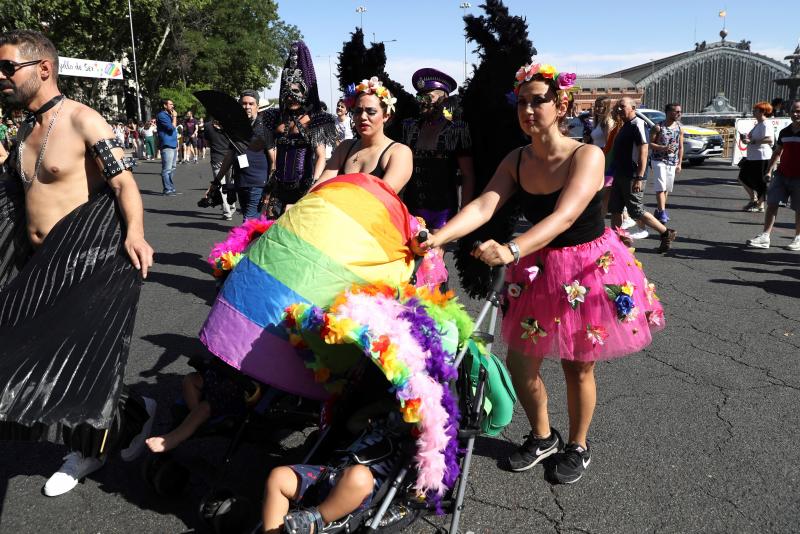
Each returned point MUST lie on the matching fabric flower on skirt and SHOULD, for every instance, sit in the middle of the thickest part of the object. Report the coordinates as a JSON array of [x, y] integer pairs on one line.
[[596, 334], [532, 330], [605, 261], [655, 317], [514, 290], [576, 293]]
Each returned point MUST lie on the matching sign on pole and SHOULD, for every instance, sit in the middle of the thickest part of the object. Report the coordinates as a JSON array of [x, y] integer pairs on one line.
[[743, 126], [70, 66]]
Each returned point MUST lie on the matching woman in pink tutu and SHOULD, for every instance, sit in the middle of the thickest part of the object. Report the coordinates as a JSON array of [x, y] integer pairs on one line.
[[575, 291]]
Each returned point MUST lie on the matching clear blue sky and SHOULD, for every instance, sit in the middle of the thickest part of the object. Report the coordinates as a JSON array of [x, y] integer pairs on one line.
[[586, 39]]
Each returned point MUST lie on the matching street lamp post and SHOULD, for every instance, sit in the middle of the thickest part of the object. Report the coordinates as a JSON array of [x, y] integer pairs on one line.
[[135, 69], [361, 10], [465, 6]]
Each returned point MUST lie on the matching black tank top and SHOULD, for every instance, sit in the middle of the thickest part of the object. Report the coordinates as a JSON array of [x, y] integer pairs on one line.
[[587, 227], [379, 170]]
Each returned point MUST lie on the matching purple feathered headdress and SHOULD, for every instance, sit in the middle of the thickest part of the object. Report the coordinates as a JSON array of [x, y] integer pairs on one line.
[[299, 69]]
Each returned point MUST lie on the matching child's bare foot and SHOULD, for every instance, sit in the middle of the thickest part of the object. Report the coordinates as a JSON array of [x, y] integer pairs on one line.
[[161, 443]]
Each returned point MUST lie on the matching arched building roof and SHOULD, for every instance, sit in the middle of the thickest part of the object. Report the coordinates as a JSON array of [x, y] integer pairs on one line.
[[693, 78]]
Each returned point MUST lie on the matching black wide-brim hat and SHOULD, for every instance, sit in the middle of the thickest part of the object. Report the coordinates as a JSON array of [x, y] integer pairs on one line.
[[429, 79]]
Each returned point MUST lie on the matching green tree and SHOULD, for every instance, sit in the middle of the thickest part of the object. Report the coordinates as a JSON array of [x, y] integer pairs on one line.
[[179, 43]]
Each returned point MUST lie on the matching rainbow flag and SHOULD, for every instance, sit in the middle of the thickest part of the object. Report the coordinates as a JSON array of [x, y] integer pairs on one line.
[[352, 229]]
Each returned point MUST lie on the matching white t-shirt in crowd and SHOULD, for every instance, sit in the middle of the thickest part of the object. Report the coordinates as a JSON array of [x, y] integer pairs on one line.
[[761, 151], [598, 137]]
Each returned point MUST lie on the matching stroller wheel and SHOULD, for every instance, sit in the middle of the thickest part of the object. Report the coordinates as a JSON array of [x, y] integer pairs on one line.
[[165, 475], [224, 512], [397, 518]]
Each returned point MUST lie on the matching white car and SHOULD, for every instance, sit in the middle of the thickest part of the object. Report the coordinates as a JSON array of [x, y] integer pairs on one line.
[[699, 143]]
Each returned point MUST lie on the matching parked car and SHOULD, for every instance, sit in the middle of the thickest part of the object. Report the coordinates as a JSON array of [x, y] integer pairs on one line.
[[699, 143]]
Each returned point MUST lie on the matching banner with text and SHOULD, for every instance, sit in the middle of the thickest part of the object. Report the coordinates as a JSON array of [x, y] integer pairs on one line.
[[70, 66], [743, 127]]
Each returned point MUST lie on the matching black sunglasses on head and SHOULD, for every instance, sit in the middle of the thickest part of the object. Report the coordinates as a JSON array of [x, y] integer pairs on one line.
[[9, 68]]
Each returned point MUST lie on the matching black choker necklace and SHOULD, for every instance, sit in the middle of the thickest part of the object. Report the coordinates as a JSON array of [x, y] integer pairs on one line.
[[31, 115]]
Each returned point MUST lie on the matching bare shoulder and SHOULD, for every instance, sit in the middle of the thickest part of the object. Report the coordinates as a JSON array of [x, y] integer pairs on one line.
[[88, 122], [589, 153], [400, 150]]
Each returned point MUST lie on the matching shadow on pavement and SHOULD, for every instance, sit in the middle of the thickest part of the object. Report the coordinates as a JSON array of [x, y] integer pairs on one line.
[[175, 346], [218, 227], [733, 252], [201, 288], [186, 213], [183, 259]]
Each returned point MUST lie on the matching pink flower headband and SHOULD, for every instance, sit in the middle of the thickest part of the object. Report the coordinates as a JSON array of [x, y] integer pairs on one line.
[[373, 86], [564, 80]]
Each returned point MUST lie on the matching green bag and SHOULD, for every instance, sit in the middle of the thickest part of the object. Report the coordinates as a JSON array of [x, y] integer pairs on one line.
[[500, 397]]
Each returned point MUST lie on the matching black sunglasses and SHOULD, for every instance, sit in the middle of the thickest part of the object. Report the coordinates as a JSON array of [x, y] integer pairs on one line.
[[9, 68]]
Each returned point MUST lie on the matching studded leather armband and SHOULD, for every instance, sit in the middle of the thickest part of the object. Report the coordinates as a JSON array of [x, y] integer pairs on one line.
[[111, 166]]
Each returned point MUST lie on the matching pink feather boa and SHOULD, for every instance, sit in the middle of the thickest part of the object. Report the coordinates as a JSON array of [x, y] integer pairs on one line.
[[224, 256]]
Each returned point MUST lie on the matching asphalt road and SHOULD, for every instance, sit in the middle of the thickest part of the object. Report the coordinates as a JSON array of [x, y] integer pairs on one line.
[[695, 434]]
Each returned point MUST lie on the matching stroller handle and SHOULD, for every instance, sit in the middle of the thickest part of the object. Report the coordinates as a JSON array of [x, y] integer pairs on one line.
[[498, 278], [498, 274]]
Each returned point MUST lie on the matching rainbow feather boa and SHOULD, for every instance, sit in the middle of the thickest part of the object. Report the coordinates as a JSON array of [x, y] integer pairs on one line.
[[400, 330], [225, 255]]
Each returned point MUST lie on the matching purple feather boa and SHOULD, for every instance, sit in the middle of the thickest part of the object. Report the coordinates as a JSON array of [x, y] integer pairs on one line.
[[422, 329]]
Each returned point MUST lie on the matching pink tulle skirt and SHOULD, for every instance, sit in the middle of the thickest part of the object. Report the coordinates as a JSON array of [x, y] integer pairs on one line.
[[586, 302]]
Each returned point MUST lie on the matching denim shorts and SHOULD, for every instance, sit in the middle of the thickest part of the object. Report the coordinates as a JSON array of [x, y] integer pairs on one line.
[[783, 188]]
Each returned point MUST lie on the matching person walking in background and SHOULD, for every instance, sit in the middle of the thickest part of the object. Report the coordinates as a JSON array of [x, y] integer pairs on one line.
[[627, 191], [344, 127], [666, 144], [220, 146], [149, 136], [189, 139], [167, 127], [201, 138], [785, 181], [754, 166]]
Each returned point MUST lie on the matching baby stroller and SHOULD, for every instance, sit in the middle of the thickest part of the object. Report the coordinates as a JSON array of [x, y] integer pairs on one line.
[[300, 257], [480, 378], [264, 416]]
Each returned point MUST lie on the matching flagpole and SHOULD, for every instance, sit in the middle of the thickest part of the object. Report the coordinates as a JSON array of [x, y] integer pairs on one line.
[[135, 69]]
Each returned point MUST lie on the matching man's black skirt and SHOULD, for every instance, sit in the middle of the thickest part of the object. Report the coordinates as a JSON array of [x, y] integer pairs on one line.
[[66, 318]]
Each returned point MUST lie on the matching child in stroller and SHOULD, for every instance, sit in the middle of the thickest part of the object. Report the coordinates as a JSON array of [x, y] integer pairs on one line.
[[348, 482], [210, 391]]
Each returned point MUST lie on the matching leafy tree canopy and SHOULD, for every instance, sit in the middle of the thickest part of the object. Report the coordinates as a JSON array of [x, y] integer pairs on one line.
[[180, 44]]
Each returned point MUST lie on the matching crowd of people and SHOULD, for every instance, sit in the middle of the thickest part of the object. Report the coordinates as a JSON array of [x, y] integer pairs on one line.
[[574, 291]]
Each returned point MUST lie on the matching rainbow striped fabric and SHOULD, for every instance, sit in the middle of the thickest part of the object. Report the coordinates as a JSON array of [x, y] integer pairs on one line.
[[352, 229]]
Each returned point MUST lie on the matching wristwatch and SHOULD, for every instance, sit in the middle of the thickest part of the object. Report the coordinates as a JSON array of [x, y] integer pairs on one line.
[[514, 248], [641, 178]]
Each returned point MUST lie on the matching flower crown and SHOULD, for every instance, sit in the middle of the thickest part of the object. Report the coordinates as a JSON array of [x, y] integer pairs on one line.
[[373, 86], [564, 80]]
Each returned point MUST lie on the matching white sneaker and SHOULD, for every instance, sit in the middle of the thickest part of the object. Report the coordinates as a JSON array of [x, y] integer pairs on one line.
[[74, 468], [759, 241], [627, 223], [640, 233], [137, 444], [795, 244]]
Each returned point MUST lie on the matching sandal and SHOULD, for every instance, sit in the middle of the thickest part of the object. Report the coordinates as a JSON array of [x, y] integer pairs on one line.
[[301, 522]]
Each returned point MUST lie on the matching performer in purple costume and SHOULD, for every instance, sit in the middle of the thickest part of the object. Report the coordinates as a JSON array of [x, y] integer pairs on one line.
[[301, 132], [442, 148]]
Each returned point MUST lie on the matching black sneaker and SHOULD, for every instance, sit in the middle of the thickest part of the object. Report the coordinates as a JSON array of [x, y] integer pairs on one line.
[[534, 450], [568, 467]]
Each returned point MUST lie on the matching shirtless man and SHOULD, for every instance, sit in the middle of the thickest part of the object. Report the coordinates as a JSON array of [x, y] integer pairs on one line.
[[64, 161]]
